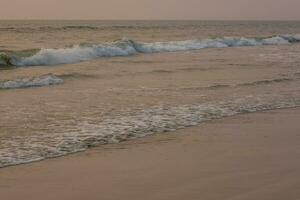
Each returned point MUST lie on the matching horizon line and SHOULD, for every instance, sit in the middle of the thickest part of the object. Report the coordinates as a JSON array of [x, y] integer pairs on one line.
[[52, 19]]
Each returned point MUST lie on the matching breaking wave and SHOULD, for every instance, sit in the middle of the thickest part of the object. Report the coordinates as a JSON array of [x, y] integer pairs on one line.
[[79, 53], [41, 81]]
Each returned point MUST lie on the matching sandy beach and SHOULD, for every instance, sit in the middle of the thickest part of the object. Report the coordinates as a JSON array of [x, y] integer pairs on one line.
[[150, 100], [250, 156]]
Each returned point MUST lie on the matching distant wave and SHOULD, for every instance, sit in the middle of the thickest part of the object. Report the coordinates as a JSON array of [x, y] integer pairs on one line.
[[81, 27], [41, 81], [48, 28], [255, 83], [79, 53], [293, 77]]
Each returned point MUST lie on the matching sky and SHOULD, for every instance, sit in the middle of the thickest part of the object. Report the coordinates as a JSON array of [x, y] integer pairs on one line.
[[151, 9]]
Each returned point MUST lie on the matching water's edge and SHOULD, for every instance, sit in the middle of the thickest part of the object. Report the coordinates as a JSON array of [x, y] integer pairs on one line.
[[149, 135]]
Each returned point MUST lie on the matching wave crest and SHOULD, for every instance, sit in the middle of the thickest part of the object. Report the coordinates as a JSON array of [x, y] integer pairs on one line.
[[126, 47], [77, 54]]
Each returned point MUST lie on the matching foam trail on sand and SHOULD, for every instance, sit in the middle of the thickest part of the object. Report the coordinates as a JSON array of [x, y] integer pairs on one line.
[[129, 125]]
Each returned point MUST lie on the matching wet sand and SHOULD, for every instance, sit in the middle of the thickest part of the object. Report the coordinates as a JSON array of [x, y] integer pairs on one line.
[[251, 156]]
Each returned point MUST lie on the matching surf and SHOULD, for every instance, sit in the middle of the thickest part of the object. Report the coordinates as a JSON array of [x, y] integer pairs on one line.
[[126, 47], [41, 81]]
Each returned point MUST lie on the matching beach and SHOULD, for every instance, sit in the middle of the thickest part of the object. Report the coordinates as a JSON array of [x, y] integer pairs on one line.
[[149, 110], [249, 156]]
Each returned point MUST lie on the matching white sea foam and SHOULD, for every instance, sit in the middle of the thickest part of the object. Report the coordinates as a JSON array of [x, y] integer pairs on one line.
[[275, 41], [77, 54], [31, 82], [291, 38], [157, 47], [134, 124], [125, 47]]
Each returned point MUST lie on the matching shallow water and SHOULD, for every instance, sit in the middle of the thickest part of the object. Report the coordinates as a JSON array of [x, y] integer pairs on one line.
[[53, 109]]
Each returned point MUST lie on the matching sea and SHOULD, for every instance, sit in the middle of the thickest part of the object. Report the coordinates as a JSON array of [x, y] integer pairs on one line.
[[67, 86]]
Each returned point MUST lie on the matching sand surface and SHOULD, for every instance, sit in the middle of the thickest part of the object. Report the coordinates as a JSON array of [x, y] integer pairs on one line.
[[252, 156]]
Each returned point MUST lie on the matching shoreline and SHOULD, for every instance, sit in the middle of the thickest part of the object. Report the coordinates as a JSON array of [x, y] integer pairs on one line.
[[145, 137], [240, 157]]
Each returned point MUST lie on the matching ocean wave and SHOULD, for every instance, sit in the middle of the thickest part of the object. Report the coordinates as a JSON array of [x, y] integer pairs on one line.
[[49, 28], [41, 81], [277, 40], [294, 77], [79, 53], [268, 81], [83, 28]]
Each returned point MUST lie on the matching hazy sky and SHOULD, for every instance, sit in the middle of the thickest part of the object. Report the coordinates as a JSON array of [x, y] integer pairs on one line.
[[151, 9]]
